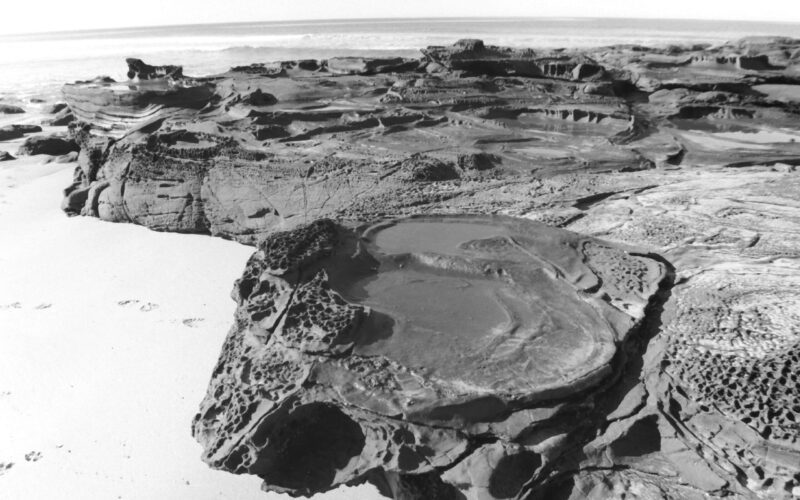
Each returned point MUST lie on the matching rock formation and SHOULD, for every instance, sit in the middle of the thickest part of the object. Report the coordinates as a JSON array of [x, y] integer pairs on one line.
[[8, 109], [10, 132], [616, 318], [139, 70], [413, 347], [60, 119], [47, 145], [55, 108], [472, 56]]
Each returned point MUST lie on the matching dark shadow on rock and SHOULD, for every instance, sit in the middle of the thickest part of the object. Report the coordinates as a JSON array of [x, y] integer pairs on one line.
[[308, 447], [413, 486], [375, 327], [560, 489], [512, 472], [642, 438]]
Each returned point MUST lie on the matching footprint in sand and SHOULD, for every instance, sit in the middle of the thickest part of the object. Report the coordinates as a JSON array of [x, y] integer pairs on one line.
[[143, 306], [192, 322]]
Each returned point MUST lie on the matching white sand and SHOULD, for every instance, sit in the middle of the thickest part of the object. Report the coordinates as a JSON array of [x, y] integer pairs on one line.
[[108, 335]]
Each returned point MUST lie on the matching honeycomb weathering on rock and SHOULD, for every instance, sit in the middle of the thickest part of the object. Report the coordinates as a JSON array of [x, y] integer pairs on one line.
[[742, 354], [352, 380], [680, 160]]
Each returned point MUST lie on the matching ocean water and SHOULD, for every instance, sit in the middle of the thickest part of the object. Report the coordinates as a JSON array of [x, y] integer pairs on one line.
[[37, 65]]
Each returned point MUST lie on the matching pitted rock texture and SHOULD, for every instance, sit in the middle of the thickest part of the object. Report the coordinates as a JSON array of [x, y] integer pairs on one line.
[[735, 344], [687, 154], [335, 372], [362, 138]]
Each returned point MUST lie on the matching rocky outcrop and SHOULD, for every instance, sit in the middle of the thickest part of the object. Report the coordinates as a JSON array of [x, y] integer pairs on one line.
[[337, 372], [671, 374], [61, 118], [6, 156], [47, 145], [139, 70], [55, 108], [119, 108], [369, 66], [475, 57], [8, 109], [10, 132]]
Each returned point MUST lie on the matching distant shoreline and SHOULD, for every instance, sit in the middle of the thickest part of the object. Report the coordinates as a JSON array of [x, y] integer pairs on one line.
[[372, 21]]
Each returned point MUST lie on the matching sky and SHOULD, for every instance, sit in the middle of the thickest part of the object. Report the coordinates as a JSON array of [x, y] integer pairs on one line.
[[28, 16]]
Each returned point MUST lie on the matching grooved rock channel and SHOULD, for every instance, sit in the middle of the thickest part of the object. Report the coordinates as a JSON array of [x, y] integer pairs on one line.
[[434, 346], [486, 272]]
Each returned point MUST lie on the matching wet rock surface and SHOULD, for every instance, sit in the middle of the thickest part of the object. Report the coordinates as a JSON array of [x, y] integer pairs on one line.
[[617, 318]]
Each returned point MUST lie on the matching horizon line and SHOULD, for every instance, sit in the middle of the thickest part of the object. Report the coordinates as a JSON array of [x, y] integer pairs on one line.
[[393, 19]]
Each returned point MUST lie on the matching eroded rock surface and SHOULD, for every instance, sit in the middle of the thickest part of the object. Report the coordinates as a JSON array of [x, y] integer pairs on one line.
[[10, 132], [382, 352], [8, 109], [667, 367], [48, 145]]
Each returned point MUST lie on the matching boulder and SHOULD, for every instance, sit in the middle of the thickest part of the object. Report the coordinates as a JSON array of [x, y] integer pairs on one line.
[[62, 118], [55, 108], [10, 132], [259, 98], [47, 145], [8, 109]]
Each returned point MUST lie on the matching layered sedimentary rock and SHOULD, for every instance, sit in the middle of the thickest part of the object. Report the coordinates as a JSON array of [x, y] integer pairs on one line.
[[409, 347], [473, 56], [651, 352], [322, 127], [117, 108]]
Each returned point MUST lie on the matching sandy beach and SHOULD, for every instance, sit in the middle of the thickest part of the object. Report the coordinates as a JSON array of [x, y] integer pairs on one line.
[[474, 258], [108, 333]]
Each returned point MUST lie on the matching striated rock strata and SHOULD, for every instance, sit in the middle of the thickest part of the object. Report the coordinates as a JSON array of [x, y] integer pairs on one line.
[[651, 352]]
